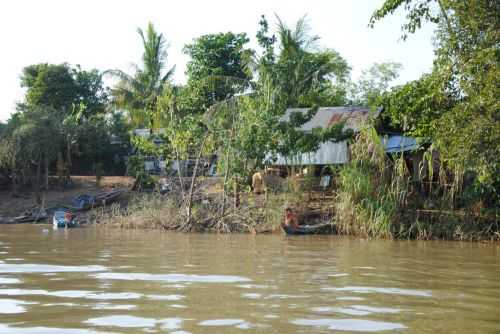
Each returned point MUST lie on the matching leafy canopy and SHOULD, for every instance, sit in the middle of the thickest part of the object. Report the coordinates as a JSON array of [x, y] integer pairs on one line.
[[138, 93], [217, 69]]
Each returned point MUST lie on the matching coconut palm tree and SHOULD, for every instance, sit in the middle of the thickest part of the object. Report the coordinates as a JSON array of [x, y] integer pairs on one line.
[[138, 93], [303, 70]]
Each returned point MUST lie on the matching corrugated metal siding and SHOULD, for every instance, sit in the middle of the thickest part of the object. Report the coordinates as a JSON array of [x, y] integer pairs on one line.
[[328, 154]]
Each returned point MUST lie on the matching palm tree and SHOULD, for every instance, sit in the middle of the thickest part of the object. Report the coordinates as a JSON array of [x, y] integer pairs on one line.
[[303, 69], [138, 93]]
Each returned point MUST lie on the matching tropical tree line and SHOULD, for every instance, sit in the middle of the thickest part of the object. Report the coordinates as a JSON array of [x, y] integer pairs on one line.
[[456, 106], [68, 115], [233, 102], [64, 124]]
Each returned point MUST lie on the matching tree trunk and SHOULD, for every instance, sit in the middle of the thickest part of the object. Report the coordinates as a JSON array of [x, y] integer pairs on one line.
[[14, 183], [236, 194], [68, 162], [38, 180], [189, 204], [46, 162], [226, 175]]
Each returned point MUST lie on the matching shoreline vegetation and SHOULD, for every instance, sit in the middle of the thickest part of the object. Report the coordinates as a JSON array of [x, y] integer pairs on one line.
[[373, 198], [246, 111], [257, 214]]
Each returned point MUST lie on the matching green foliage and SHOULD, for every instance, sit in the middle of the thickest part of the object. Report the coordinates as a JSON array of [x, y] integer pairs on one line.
[[373, 83], [415, 106], [135, 168], [372, 191], [459, 100], [63, 88], [217, 69], [3, 129], [295, 73], [301, 74], [138, 93], [61, 118], [135, 165], [417, 12], [49, 85]]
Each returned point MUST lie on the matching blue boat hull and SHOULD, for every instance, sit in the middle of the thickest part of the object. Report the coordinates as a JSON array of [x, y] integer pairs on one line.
[[60, 221]]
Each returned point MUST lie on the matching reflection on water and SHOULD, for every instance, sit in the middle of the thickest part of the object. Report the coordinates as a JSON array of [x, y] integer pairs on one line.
[[45, 330], [89, 280], [391, 291], [355, 325], [172, 278], [45, 268], [8, 306]]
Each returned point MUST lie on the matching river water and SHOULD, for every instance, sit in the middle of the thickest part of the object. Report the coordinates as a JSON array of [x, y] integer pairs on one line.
[[96, 280]]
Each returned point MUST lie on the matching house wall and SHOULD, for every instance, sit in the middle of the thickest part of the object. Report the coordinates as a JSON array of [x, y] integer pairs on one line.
[[329, 153]]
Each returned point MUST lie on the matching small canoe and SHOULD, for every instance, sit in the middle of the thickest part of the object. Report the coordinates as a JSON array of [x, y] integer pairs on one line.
[[31, 216], [83, 202], [307, 229], [86, 202], [106, 197], [64, 218]]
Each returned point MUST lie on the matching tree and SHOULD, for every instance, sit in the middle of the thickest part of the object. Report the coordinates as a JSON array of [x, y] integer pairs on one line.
[[217, 69], [467, 134], [304, 74], [63, 89], [138, 93], [31, 145], [91, 93], [50, 85], [373, 83], [415, 106], [295, 74], [3, 128]]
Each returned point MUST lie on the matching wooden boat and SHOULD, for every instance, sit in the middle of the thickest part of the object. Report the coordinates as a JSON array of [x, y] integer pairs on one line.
[[83, 202], [307, 229], [31, 216], [64, 218], [86, 202], [106, 197]]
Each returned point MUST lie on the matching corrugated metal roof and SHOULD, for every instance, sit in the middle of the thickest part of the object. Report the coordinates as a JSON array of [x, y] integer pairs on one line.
[[325, 117], [396, 143], [329, 153]]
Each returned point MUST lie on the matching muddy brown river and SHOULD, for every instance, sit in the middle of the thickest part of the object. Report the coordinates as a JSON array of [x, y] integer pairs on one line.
[[95, 280]]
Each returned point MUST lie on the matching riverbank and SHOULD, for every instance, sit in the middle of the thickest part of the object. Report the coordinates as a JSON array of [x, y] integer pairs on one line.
[[251, 214], [211, 212], [11, 206], [155, 212]]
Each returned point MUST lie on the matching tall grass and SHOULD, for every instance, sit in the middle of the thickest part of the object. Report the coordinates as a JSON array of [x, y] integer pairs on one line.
[[372, 189], [375, 198]]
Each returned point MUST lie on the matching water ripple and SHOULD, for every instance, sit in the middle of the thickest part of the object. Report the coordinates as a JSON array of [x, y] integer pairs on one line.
[[10, 280], [391, 291], [11, 306], [94, 295], [46, 268], [5, 329], [128, 321], [174, 278], [354, 325]]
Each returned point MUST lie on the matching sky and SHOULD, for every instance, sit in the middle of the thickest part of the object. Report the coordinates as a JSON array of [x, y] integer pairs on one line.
[[102, 34]]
